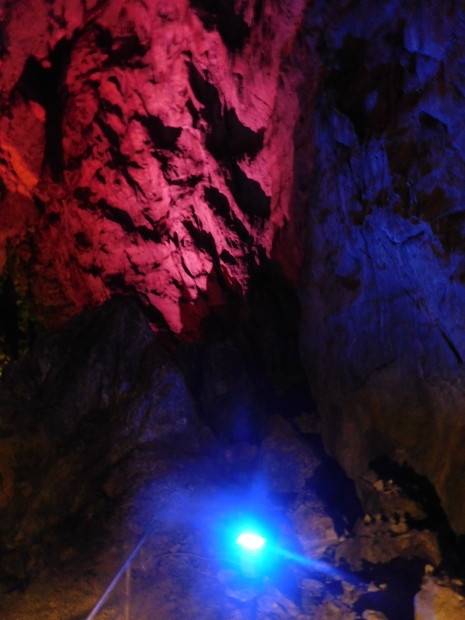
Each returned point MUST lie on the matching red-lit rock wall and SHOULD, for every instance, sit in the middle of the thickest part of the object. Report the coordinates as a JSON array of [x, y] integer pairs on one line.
[[148, 148]]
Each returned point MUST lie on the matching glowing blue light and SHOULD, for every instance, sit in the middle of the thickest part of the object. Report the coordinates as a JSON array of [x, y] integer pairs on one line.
[[250, 541]]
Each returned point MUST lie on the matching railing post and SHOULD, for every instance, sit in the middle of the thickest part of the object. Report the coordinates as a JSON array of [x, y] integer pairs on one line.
[[124, 568], [128, 591]]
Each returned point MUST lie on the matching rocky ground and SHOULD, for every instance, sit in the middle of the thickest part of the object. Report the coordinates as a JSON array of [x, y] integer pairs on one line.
[[103, 438]]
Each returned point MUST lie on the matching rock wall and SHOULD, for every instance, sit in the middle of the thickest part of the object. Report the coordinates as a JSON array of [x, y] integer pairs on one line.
[[383, 338], [99, 410], [147, 148]]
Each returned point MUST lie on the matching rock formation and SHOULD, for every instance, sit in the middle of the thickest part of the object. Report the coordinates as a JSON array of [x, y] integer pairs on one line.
[[147, 148], [383, 299]]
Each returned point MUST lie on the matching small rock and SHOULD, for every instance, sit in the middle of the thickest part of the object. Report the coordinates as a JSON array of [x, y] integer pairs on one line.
[[334, 610], [314, 528], [313, 592], [275, 605], [348, 587], [314, 586], [375, 543], [438, 601], [399, 527], [242, 594], [369, 614], [390, 500], [351, 593]]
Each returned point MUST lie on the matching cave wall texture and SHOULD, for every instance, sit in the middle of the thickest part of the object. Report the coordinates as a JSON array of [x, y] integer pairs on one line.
[[169, 150], [148, 148], [384, 280]]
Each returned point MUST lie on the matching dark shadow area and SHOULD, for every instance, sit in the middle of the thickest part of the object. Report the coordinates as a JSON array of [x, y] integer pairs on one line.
[[220, 14], [154, 233], [228, 140], [125, 52], [248, 194], [260, 333], [48, 88], [10, 333], [227, 136], [3, 190], [353, 77], [403, 579], [269, 328], [219, 204], [258, 10], [203, 240], [161, 135], [18, 330], [337, 491]]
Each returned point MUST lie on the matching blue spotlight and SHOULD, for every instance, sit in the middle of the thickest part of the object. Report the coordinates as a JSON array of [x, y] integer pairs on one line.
[[251, 553], [251, 541]]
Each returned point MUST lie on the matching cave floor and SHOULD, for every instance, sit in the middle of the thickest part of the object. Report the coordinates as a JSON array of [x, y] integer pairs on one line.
[[187, 568]]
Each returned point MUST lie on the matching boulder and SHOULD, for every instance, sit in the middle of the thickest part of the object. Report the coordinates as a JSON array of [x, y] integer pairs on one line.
[[439, 600]]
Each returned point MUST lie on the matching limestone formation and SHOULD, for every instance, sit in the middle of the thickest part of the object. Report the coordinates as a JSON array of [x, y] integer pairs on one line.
[[147, 149], [383, 296]]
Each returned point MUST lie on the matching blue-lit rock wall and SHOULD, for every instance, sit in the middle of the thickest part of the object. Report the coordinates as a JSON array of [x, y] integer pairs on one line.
[[383, 290]]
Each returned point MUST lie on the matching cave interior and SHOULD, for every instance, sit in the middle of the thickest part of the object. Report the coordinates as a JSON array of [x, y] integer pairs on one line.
[[232, 301]]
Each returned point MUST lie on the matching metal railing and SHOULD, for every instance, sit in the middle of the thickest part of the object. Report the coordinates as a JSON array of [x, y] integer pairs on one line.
[[126, 568]]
